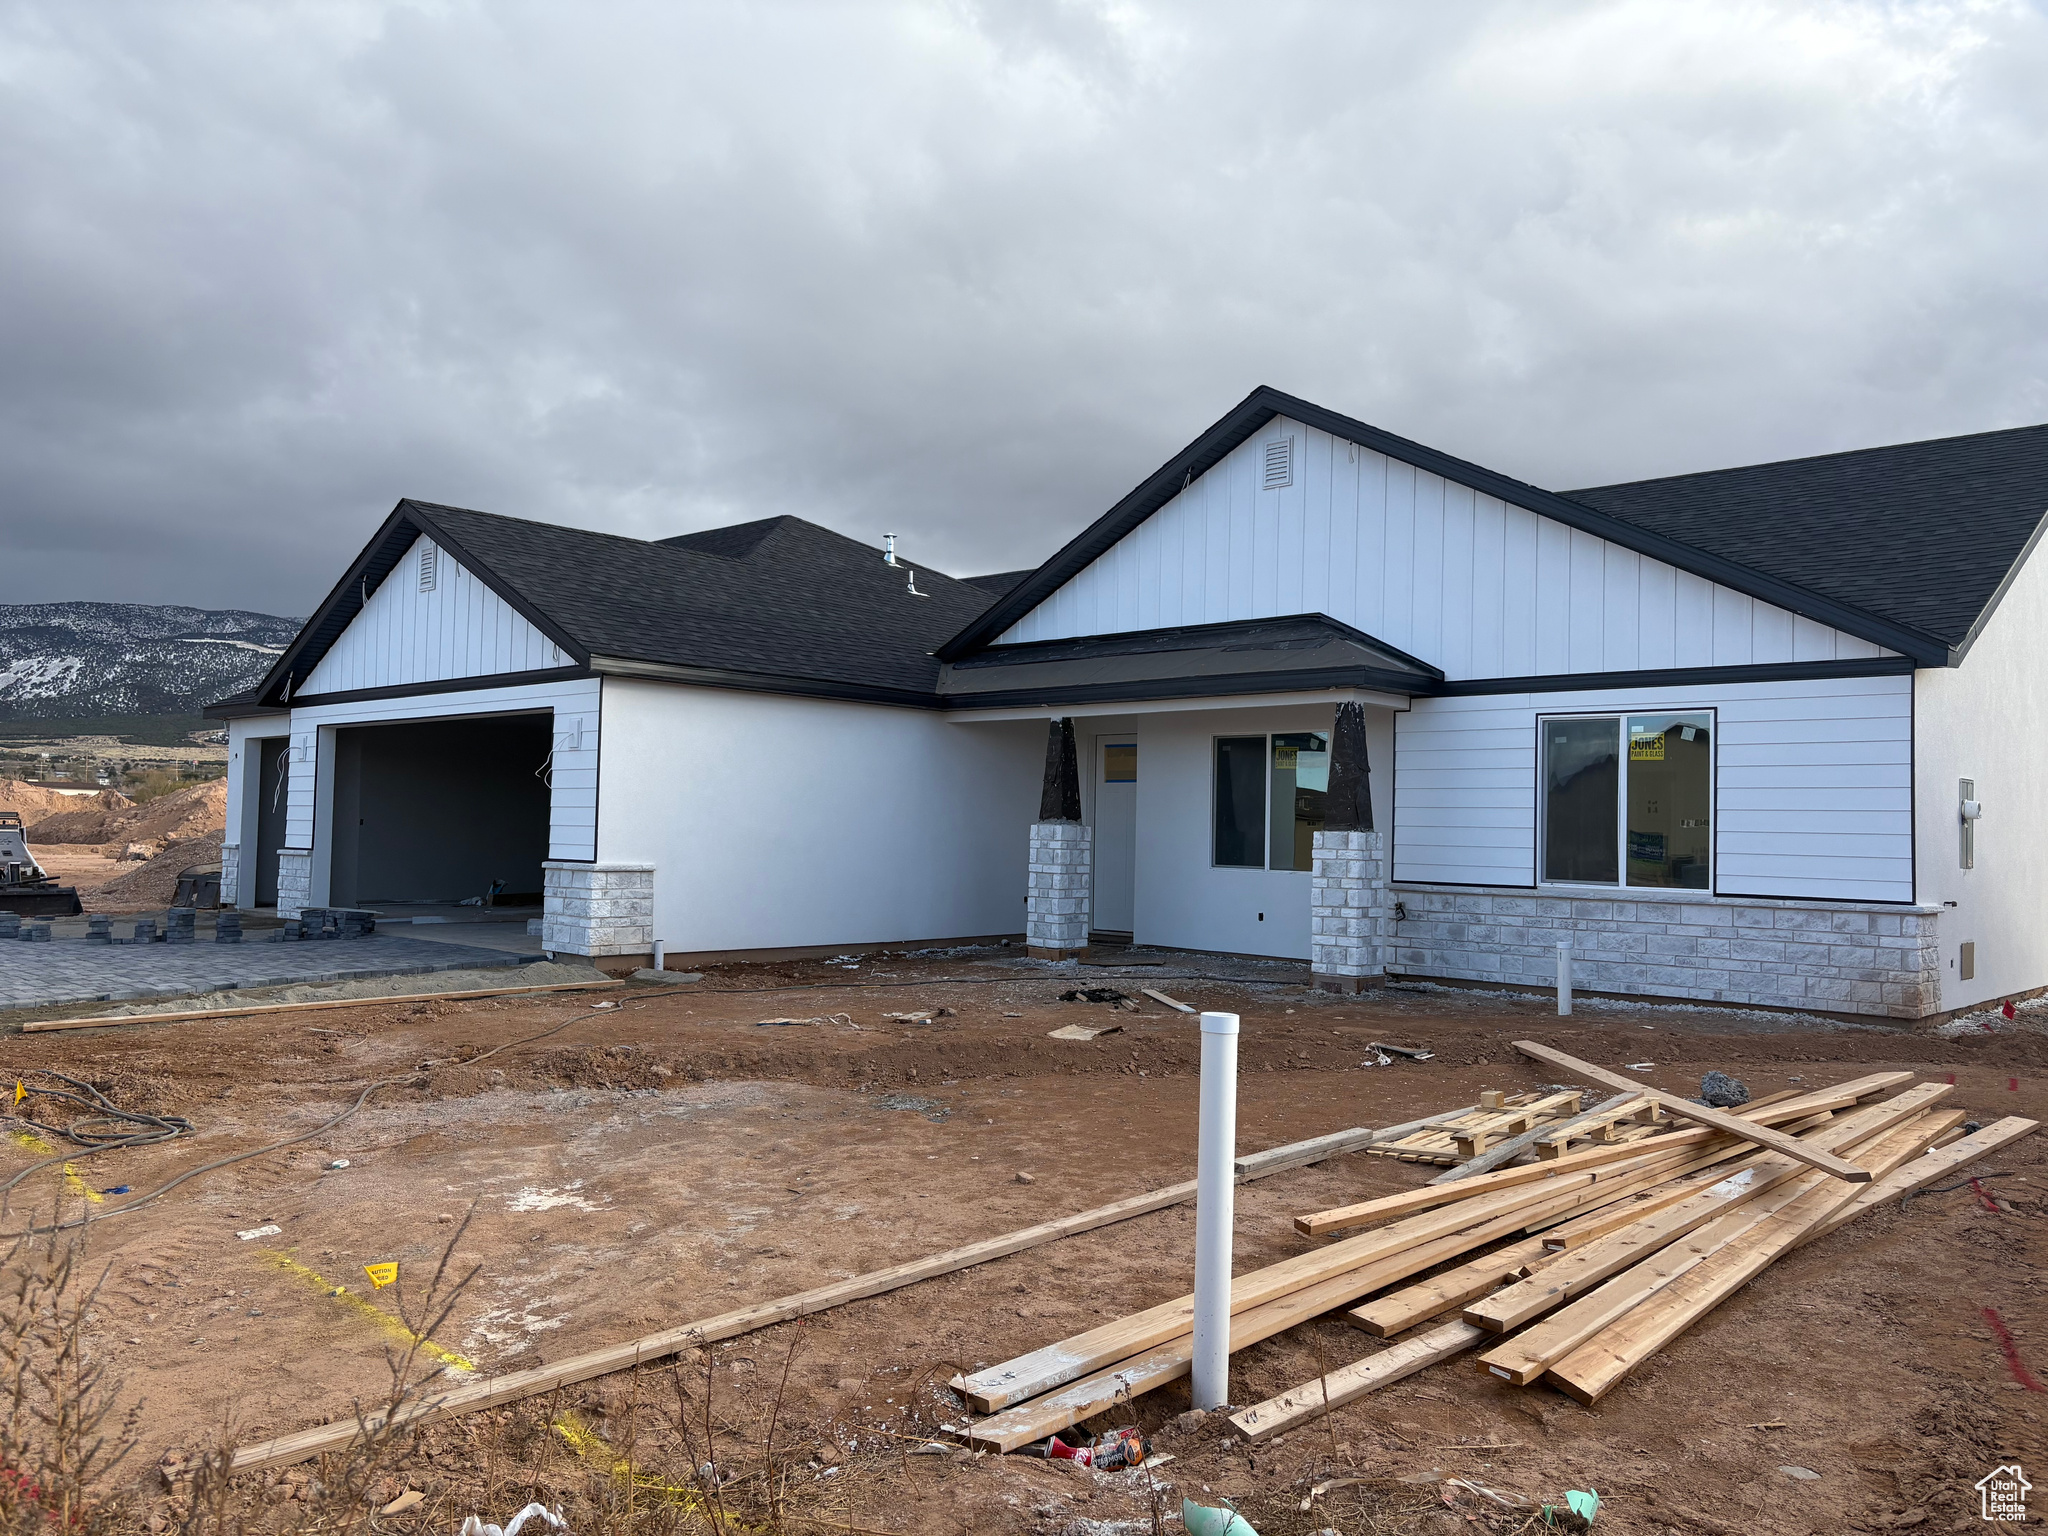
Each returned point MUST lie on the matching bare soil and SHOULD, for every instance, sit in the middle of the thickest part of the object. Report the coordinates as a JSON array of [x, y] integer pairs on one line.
[[670, 1158]]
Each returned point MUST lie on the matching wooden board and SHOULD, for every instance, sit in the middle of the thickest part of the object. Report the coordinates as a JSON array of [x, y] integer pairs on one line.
[[1583, 1268], [1592, 1370], [1929, 1169], [1299, 1154], [1525, 1357], [1398, 1311], [517, 1385], [1348, 1383], [1700, 1114], [1073, 1401], [1438, 1192], [110, 1020], [1028, 1375]]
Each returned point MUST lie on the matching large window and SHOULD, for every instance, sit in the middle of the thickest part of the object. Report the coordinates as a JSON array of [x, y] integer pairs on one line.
[[1627, 800], [1270, 797]]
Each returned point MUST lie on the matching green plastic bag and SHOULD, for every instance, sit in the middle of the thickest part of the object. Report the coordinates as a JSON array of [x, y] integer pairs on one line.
[[1201, 1520], [1585, 1505]]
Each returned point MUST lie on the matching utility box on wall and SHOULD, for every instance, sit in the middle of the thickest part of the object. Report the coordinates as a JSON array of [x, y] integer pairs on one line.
[[1966, 959]]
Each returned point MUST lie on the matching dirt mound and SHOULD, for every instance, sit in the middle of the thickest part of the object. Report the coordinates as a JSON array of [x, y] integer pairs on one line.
[[152, 885], [183, 814], [38, 804]]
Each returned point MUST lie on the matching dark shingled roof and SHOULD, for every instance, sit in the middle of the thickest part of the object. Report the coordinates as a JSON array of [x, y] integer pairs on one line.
[[997, 582], [780, 604], [1300, 651], [1923, 533]]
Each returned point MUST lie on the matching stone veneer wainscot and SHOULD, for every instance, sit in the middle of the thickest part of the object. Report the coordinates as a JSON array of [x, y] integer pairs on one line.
[[1876, 958]]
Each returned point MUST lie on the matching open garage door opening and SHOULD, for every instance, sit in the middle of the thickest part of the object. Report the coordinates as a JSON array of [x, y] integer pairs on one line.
[[442, 811]]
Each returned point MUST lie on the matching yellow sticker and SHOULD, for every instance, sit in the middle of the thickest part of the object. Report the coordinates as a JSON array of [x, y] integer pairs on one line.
[[1647, 748], [381, 1275]]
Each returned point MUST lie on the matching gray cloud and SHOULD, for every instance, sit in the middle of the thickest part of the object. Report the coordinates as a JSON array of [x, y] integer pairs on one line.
[[964, 272]]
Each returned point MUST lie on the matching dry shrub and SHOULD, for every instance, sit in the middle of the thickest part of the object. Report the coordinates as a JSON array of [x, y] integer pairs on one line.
[[63, 1432]]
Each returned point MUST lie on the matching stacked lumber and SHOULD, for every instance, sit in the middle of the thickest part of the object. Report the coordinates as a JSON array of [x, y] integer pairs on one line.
[[1465, 1134], [1572, 1269]]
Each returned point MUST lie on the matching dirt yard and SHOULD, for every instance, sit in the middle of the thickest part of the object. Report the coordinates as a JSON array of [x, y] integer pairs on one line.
[[670, 1158]]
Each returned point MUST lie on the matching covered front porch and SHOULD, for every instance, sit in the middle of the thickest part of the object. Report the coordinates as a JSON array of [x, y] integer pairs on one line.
[[1231, 826]]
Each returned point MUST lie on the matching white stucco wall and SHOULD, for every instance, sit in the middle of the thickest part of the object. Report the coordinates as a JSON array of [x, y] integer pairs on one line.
[[1988, 720], [1183, 899], [778, 822]]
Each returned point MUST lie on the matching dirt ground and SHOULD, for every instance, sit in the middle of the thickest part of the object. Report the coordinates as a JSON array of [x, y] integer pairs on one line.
[[670, 1158]]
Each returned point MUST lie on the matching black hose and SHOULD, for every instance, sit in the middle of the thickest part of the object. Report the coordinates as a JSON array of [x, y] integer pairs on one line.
[[320, 1130], [1906, 1199]]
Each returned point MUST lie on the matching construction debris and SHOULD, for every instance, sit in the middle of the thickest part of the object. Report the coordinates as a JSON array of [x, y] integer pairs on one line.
[[921, 1016], [1574, 1270], [1412, 1052], [1171, 1002], [1720, 1091], [1108, 995], [1082, 1031]]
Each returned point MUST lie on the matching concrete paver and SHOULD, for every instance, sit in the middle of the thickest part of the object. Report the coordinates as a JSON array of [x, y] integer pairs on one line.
[[72, 971]]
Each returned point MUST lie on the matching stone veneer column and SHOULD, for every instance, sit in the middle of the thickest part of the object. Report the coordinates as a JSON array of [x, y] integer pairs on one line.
[[597, 909], [294, 881], [1056, 901], [1349, 922], [230, 874]]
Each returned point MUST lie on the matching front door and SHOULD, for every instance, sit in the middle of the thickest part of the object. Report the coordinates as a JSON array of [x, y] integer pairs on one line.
[[1116, 836]]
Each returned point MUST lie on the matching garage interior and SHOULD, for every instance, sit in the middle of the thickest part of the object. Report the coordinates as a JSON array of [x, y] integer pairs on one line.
[[442, 811]]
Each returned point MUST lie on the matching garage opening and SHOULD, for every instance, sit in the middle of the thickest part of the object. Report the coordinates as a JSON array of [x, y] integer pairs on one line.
[[441, 811], [273, 756]]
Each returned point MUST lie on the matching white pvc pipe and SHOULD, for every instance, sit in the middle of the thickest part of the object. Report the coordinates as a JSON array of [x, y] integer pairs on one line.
[[1215, 1209], [660, 953], [1564, 979]]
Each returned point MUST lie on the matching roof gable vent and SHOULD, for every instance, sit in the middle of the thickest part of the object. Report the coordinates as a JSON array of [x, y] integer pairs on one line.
[[1279, 464], [430, 567]]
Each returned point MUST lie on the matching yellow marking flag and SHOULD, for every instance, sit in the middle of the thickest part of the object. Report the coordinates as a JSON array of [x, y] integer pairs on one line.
[[381, 1275]]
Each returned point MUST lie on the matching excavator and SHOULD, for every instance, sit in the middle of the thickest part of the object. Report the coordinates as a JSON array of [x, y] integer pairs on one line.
[[24, 888]]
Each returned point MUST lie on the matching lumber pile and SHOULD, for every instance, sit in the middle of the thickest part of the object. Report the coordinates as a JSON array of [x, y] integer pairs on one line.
[[1571, 1270], [1466, 1133]]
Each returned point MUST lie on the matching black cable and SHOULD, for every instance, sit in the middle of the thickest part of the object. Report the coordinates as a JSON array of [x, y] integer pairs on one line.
[[1948, 1189], [104, 1129], [320, 1130]]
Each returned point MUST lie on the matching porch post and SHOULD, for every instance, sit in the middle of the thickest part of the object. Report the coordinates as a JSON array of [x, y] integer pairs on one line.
[[1062, 857], [1350, 923]]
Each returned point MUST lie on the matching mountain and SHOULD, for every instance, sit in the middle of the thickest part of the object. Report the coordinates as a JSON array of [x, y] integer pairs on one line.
[[68, 661]]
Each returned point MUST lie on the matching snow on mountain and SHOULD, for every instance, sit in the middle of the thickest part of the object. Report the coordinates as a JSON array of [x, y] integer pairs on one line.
[[81, 660]]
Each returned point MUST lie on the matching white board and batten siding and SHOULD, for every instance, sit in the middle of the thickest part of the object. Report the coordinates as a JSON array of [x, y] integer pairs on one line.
[[1813, 792], [1464, 581], [413, 631], [446, 627]]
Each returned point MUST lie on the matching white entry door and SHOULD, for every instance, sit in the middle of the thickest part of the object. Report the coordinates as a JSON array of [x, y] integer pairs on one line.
[[1116, 835]]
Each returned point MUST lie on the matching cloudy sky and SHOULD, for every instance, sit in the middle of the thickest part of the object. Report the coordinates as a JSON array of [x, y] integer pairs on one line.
[[964, 271]]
